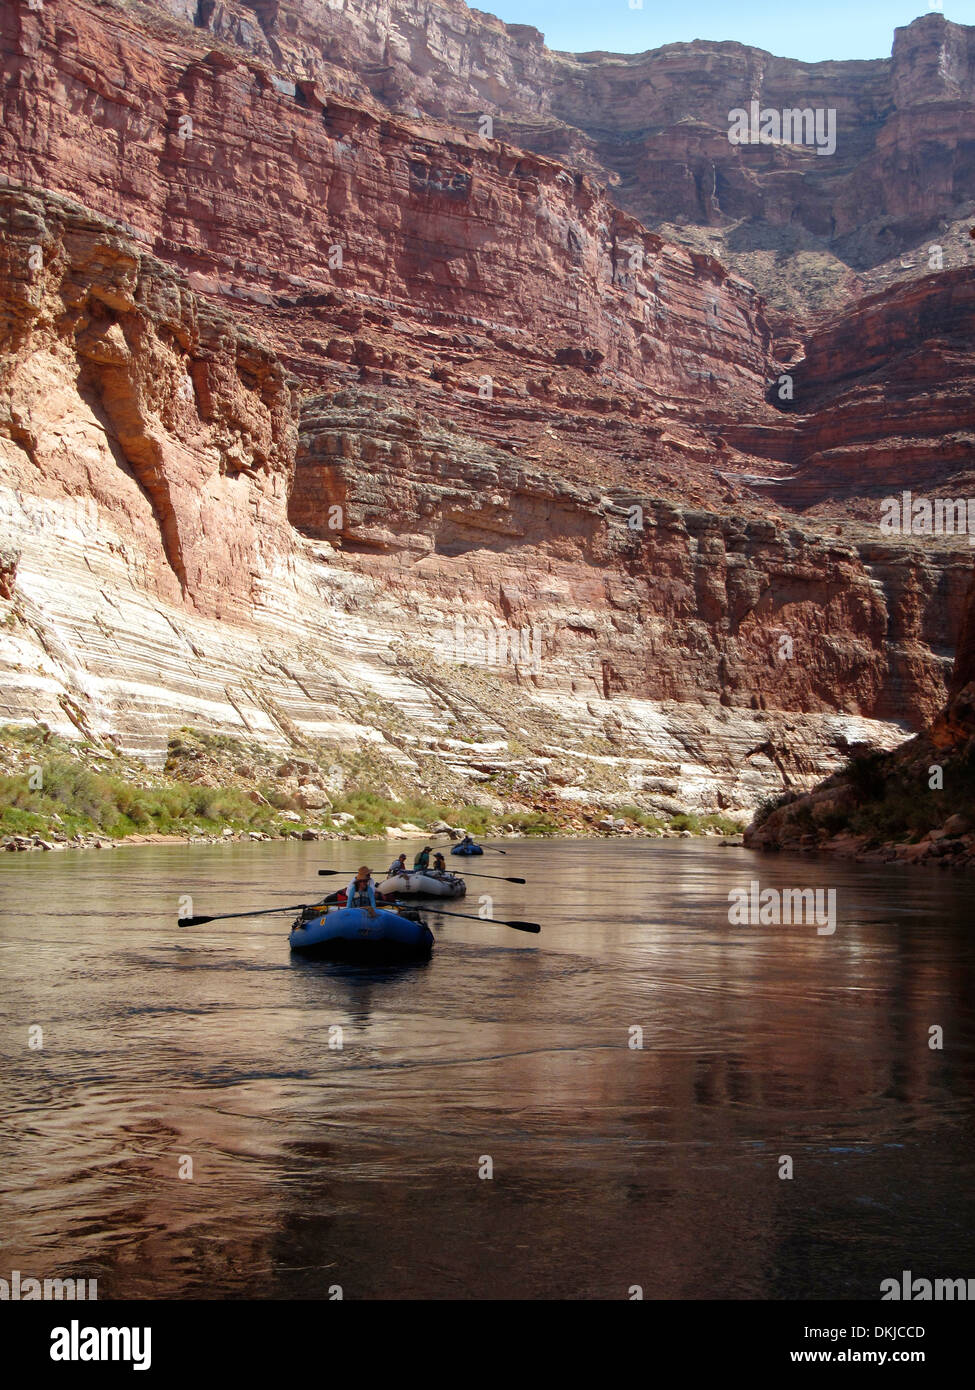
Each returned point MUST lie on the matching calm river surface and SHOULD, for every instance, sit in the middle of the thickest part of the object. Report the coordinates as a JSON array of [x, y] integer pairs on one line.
[[613, 1166]]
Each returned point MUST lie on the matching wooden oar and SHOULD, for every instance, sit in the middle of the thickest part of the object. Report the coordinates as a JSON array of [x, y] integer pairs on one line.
[[261, 912], [331, 873], [466, 917]]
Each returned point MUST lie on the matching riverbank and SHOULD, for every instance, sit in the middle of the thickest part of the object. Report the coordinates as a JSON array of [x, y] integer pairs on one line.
[[915, 805], [59, 795]]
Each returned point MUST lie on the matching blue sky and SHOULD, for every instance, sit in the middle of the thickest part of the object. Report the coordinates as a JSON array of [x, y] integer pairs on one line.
[[813, 32]]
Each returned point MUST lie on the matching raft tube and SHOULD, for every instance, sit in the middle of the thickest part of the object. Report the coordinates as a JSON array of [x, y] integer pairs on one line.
[[349, 933], [428, 885], [466, 849]]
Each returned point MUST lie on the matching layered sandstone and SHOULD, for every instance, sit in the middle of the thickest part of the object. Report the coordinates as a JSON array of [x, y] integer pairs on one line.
[[305, 378], [151, 580], [881, 399], [358, 240], [689, 604], [808, 229]]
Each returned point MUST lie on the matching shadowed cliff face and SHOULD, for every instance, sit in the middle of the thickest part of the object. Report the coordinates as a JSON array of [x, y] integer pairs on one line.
[[881, 399], [964, 670], [510, 398], [809, 230], [913, 804]]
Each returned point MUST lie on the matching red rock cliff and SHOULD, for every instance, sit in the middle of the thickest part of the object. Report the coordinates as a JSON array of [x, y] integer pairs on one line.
[[492, 366], [808, 229]]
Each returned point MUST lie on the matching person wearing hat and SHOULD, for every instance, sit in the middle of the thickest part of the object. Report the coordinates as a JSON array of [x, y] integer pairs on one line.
[[439, 863], [398, 867], [361, 892], [422, 860]]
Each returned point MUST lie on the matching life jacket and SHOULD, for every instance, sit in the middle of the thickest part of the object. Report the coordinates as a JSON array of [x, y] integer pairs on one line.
[[360, 897], [422, 861]]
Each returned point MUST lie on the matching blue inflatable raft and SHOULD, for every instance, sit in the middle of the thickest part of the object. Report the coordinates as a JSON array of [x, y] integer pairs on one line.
[[349, 933], [466, 849]]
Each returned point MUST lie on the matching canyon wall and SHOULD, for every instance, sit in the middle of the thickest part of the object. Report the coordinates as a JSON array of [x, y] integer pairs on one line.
[[912, 804], [809, 230], [151, 579], [881, 399], [691, 604], [331, 225], [290, 382]]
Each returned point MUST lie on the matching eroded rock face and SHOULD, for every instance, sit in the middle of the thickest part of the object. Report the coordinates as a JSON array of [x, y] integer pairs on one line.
[[496, 373], [153, 581], [654, 125], [124, 393], [689, 604], [884, 397], [356, 240], [912, 804]]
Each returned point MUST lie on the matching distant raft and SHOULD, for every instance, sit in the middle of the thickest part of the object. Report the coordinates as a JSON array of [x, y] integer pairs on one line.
[[466, 849], [349, 933], [429, 885]]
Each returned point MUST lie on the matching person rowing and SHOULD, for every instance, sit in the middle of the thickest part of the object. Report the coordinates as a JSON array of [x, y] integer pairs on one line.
[[467, 843], [361, 892]]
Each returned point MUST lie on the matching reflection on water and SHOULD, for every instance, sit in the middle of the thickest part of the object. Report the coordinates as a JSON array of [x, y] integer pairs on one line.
[[315, 1165]]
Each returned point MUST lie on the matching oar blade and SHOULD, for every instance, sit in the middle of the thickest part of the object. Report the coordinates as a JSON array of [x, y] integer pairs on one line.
[[518, 925], [193, 921]]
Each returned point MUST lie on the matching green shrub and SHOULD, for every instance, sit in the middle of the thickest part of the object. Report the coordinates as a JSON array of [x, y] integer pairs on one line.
[[725, 824], [834, 821], [866, 775], [767, 805], [640, 817], [77, 799]]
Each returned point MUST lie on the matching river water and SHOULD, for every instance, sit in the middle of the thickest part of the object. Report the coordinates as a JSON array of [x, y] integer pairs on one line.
[[186, 1130]]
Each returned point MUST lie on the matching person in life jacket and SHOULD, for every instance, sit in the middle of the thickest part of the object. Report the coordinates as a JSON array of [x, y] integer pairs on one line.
[[361, 892], [439, 864], [466, 842], [422, 860], [398, 867]]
